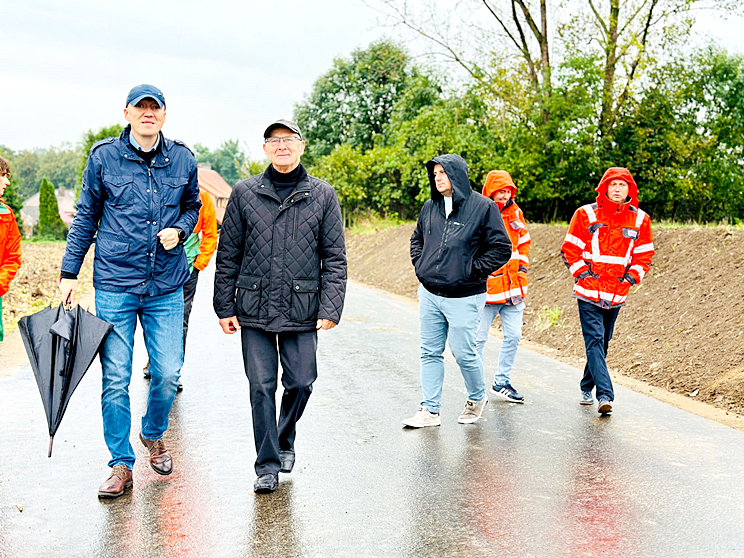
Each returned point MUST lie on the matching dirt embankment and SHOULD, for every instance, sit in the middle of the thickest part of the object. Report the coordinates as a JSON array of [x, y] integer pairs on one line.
[[35, 285], [682, 329], [32, 289]]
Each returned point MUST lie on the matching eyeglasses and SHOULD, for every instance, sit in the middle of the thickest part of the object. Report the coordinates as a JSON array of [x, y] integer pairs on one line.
[[289, 141]]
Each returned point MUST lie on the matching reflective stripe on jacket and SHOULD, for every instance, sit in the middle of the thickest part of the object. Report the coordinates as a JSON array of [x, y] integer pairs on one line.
[[508, 285], [610, 241]]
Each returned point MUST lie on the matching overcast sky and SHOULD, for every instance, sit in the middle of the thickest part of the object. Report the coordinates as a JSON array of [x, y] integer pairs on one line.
[[227, 68]]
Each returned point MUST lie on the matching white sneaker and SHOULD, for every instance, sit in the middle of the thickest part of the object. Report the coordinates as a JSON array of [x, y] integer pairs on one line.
[[423, 418], [473, 411]]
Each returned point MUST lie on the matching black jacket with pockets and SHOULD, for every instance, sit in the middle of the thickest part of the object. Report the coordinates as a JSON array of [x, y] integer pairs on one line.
[[454, 255], [281, 266]]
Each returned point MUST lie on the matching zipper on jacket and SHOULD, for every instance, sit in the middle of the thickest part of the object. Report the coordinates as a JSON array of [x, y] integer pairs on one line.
[[149, 234], [294, 223]]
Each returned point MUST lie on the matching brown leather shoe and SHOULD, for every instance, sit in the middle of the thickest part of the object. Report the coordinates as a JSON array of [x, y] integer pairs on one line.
[[160, 459], [117, 483]]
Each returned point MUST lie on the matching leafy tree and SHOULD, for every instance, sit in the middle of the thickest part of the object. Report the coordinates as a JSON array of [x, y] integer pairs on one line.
[[229, 160], [353, 101], [29, 166], [60, 165], [50, 223], [26, 174], [491, 38], [684, 137]]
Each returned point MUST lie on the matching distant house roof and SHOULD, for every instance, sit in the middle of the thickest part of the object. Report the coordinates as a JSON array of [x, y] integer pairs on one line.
[[211, 182], [65, 203]]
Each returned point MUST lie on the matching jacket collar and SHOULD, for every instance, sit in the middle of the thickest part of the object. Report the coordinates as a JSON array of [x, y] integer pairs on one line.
[[162, 159], [266, 188]]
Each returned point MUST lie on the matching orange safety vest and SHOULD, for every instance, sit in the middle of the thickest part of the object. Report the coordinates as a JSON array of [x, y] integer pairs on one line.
[[611, 241], [10, 248], [508, 284]]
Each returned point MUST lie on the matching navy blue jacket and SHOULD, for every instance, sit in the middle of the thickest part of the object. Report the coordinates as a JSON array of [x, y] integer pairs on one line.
[[128, 203], [454, 255]]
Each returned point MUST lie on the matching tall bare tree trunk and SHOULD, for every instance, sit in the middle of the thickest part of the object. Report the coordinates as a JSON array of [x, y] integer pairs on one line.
[[608, 90]]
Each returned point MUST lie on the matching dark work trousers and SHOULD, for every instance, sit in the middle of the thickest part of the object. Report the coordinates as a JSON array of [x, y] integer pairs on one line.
[[597, 325], [262, 351]]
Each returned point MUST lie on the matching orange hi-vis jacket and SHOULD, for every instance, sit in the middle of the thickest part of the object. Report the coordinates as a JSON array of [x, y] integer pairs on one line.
[[10, 248], [207, 226], [609, 246], [508, 284]]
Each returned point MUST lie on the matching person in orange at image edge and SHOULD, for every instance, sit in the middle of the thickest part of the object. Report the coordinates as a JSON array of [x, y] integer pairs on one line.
[[507, 286], [199, 251], [608, 249], [10, 241]]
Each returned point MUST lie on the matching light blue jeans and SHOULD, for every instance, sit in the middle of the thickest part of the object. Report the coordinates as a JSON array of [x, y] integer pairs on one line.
[[511, 326], [161, 317], [457, 319]]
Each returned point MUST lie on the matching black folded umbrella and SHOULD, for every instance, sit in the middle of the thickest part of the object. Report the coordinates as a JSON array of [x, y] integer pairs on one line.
[[61, 345]]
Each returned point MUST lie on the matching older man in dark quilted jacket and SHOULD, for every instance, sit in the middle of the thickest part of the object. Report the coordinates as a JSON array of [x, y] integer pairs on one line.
[[281, 276]]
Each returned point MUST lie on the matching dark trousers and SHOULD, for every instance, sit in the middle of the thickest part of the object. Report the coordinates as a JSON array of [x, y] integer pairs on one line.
[[597, 325], [189, 290], [262, 352]]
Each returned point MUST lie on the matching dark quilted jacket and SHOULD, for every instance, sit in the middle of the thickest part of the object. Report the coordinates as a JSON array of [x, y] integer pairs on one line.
[[281, 266]]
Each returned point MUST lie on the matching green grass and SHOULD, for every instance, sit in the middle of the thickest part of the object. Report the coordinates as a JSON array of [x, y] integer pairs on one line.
[[372, 223], [37, 240], [550, 316], [667, 224]]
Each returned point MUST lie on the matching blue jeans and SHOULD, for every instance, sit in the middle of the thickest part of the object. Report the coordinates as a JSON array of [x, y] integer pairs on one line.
[[597, 325], [161, 317], [458, 320], [511, 325]]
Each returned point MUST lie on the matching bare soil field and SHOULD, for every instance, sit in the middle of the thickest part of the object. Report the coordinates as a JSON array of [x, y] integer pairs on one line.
[[682, 329], [35, 285]]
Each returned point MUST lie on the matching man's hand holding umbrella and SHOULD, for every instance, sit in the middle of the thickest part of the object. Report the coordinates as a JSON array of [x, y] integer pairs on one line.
[[68, 289]]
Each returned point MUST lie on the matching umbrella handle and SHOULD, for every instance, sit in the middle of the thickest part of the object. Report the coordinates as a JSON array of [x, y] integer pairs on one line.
[[51, 441]]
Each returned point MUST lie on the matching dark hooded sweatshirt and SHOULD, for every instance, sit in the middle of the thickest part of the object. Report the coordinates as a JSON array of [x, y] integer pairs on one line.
[[454, 255]]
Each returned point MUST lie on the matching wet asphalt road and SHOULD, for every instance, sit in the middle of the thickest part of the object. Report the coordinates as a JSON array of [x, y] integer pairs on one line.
[[544, 479]]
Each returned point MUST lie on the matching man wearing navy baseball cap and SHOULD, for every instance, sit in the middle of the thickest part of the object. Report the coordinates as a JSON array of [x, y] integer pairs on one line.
[[140, 195]]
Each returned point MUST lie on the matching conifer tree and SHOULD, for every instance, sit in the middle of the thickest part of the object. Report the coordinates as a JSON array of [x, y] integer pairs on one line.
[[50, 223]]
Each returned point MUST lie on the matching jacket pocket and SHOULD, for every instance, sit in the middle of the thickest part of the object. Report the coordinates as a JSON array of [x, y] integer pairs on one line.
[[248, 297], [119, 190], [305, 300], [112, 247], [172, 190], [630, 233]]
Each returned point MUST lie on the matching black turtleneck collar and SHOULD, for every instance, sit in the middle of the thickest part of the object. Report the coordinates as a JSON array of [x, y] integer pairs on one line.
[[292, 177], [285, 182]]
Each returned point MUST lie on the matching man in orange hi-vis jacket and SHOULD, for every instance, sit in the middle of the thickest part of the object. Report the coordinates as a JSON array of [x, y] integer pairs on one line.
[[608, 249], [200, 247], [507, 286]]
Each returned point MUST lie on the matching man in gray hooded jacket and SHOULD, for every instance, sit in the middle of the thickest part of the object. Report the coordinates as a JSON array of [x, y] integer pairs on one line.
[[459, 240]]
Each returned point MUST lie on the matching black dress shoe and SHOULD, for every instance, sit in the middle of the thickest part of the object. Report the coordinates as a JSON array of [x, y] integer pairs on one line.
[[287, 459], [266, 483]]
